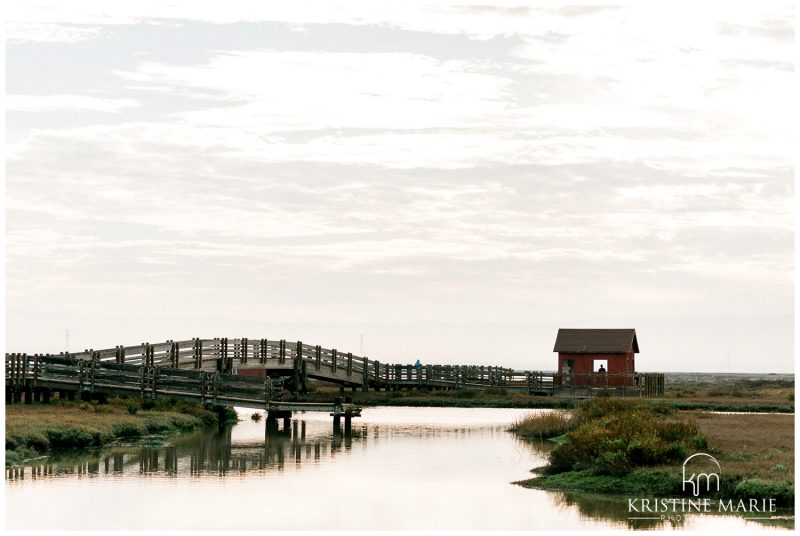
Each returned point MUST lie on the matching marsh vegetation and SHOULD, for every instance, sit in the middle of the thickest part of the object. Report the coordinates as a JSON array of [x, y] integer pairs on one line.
[[616, 446], [33, 430]]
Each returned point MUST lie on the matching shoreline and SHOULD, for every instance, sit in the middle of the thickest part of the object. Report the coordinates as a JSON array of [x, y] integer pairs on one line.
[[599, 450], [38, 430], [487, 399]]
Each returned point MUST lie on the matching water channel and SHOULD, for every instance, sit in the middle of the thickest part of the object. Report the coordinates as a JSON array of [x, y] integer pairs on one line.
[[402, 468]]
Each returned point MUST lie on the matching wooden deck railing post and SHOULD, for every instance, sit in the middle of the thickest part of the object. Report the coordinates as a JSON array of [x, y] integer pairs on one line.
[[333, 360], [95, 359], [175, 350], [349, 364], [197, 348], [318, 356]]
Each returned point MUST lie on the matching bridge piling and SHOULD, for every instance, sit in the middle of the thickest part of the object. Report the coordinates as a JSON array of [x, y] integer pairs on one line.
[[348, 424]]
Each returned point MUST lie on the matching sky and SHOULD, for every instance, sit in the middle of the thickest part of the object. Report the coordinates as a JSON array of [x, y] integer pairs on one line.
[[448, 181]]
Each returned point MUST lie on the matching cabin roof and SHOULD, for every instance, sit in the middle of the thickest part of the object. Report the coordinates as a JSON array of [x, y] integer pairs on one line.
[[596, 341]]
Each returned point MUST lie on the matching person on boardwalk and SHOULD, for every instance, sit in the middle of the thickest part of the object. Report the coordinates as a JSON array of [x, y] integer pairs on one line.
[[417, 365], [602, 368]]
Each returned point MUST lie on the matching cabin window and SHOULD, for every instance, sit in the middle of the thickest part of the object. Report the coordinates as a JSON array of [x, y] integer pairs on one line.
[[597, 363]]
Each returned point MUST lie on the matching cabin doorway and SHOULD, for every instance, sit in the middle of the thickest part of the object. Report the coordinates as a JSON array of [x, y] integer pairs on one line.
[[567, 369]]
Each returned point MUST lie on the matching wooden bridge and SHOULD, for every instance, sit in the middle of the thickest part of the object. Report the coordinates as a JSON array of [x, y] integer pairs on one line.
[[254, 373]]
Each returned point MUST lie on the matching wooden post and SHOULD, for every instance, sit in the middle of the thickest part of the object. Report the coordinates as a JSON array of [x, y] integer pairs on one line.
[[216, 386], [203, 383], [26, 386], [95, 359], [198, 353], [333, 360], [227, 362], [80, 377], [174, 353], [318, 356], [243, 347], [349, 364], [282, 352], [337, 424], [365, 374], [348, 424]]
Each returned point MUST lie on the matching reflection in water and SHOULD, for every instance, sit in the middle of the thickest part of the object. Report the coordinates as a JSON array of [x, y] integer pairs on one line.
[[444, 468], [594, 506], [198, 454]]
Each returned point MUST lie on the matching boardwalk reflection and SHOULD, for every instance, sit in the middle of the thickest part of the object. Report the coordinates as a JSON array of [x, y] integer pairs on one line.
[[197, 454]]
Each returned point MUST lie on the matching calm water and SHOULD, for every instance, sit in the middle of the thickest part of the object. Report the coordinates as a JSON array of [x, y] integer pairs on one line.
[[403, 468]]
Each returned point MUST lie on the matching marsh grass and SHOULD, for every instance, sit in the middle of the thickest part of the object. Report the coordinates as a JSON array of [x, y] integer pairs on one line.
[[612, 436], [751, 446], [543, 425], [631, 447], [741, 394], [36, 429]]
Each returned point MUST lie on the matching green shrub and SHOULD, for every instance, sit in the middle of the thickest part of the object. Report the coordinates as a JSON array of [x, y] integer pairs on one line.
[[782, 492], [73, 437], [208, 417], [700, 442], [496, 390], [133, 408], [614, 436], [128, 430], [17, 456], [466, 393]]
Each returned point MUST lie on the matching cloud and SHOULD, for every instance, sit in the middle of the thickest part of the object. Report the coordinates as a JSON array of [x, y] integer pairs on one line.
[[263, 91], [591, 164], [67, 103]]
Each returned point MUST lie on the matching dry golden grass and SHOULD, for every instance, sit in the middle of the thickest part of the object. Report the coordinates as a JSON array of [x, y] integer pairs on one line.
[[21, 417], [731, 394], [543, 425], [753, 445], [78, 425]]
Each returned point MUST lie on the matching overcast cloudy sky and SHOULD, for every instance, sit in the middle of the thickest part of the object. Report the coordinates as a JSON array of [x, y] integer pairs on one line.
[[454, 182]]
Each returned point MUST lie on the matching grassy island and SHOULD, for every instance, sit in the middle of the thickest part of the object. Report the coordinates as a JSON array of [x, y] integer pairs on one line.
[[37, 429], [635, 447]]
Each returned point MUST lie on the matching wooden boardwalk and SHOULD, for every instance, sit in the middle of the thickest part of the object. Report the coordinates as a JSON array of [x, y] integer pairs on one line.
[[214, 371]]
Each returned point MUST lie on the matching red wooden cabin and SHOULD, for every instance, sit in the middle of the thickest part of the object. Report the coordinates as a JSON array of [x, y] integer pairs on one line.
[[581, 352]]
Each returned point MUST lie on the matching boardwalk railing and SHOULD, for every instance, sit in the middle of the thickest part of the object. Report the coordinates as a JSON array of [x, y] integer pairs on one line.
[[227, 371]]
